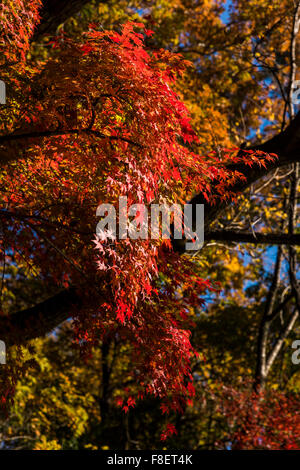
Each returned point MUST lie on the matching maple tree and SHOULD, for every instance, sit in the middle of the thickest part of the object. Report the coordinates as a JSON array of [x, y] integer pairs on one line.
[[101, 115], [105, 129]]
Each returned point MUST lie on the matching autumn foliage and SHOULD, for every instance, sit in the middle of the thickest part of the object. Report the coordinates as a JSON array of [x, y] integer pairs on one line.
[[98, 119], [268, 420]]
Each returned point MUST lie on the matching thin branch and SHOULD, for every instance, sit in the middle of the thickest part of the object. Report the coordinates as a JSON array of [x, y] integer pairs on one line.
[[257, 238]]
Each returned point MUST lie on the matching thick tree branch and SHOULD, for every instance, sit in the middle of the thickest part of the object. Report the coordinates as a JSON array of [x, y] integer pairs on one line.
[[56, 12], [40, 319]]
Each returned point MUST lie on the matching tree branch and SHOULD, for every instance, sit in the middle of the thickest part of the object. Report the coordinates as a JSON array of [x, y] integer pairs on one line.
[[286, 145], [12, 153], [279, 343], [39, 320], [255, 238], [56, 12]]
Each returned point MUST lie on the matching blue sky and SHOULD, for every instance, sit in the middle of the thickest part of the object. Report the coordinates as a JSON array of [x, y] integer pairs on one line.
[[225, 15]]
